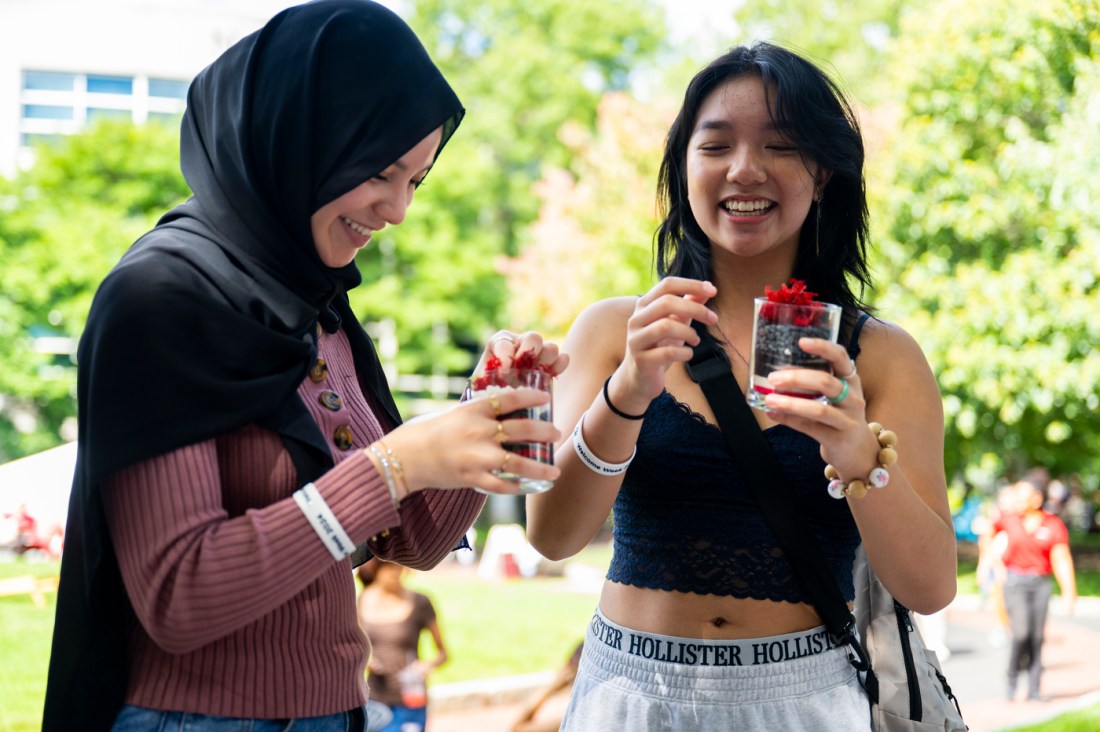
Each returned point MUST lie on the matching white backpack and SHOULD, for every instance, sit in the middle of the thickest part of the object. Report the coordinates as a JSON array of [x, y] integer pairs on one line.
[[913, 694]]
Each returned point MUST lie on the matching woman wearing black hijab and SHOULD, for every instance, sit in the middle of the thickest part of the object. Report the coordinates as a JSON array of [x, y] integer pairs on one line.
[[231, 465]]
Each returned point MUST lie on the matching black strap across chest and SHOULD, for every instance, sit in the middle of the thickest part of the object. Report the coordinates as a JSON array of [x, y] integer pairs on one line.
[[768, 484]]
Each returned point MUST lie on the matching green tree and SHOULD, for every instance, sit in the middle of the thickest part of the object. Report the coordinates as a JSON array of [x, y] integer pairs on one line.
[[593, 238], [980, 83], [63, 224], [525, 71], [851, 39], [986, 209]]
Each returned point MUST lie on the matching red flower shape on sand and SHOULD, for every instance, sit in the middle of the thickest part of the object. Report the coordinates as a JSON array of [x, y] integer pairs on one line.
[[793, 292], [493, 377]]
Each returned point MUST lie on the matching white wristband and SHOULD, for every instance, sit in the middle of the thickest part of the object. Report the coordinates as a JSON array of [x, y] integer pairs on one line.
[[593, 463], [324, 521]]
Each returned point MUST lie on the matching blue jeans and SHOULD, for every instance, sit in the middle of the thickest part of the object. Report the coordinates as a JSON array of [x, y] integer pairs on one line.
[[407, 720], [141, 719]]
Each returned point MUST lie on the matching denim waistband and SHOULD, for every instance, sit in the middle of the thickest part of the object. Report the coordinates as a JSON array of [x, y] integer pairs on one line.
[[133, 718]]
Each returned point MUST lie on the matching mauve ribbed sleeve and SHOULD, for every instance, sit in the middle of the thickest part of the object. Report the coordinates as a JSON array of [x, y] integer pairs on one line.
[[428, 526], [243, 611], [432, 523], [184, 560]]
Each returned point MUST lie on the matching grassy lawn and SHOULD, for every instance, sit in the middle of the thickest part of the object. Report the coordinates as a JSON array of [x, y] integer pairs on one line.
[[24, 650], [1084, 720], [505, 627]]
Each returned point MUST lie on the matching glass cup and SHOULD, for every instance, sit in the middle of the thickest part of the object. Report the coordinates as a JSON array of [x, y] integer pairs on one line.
[[776, 328], [414, 690], [496, 381]]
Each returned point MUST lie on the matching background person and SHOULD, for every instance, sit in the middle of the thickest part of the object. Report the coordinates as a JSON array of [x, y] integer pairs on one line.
[[394, 617], [990, 570], [761, 181], [1036, 546], [232, 408], [544, 711]]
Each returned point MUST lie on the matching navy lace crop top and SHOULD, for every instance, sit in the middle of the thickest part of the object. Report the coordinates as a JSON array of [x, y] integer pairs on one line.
[[685, 519]]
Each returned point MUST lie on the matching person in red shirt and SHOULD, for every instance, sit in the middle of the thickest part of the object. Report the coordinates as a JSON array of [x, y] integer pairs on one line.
[[28, 530], [1037, 546]]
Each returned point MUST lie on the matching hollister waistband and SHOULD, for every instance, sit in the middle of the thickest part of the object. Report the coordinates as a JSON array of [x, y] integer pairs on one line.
[[703, 652]]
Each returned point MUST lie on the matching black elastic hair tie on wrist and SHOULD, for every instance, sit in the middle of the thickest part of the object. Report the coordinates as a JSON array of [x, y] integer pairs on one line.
[[616, 410]]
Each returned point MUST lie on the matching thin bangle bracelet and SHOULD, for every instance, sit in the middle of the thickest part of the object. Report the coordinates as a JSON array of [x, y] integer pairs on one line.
[[616, 410], [387, 474]]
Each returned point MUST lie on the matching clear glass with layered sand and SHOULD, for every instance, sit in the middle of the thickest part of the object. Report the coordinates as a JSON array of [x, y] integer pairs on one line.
[[776, 329], [496, 381]]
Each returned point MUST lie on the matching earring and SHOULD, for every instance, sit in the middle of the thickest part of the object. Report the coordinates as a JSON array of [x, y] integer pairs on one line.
[[817, 226]]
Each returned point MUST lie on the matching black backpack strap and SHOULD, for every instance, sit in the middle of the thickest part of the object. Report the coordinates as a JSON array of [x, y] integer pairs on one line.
[[853, 340], [764, 475]]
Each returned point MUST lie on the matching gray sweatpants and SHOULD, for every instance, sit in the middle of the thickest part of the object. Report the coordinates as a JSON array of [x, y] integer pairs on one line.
[[631, 681]]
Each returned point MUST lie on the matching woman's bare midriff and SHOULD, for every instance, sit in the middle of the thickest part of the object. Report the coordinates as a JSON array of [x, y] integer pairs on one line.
[[688, 615]]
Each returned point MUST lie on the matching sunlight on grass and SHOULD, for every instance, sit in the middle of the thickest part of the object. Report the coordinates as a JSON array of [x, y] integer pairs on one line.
[[503, 627], [1084, 720], [24, 649]]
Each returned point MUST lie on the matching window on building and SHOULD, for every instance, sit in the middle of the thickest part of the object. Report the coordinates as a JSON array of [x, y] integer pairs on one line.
[[48, 81], [57, 103], [95, 113], [29, 139], [47, 111], [165, 118], [111, 85], [168, 88]]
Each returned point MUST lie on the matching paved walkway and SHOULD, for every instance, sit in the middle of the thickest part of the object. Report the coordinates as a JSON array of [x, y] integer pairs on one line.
[[975, 668]]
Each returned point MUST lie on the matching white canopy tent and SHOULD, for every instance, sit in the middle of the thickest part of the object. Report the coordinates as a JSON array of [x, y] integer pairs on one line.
[[41, 482]]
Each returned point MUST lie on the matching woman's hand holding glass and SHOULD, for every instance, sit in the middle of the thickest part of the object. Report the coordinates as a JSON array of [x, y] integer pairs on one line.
[[461, 448], [512, 361], [840, 422]]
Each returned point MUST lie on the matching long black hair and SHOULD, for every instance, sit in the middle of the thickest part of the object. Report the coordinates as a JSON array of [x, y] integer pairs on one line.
[[812, 112]]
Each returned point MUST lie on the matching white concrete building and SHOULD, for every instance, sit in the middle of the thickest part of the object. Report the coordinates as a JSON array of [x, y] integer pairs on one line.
[[64, 62]]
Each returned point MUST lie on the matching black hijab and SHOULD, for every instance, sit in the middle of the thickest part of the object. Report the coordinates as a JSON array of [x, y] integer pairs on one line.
[[208, 323]]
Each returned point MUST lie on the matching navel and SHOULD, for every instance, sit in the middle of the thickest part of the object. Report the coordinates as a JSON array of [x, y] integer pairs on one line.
[[718, 622]]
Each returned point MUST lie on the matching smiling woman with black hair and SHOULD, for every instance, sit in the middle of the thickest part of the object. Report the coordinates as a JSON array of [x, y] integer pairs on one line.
[[232, 465], [702, 623]]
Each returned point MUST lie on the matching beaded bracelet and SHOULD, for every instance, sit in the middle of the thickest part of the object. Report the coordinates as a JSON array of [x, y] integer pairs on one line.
[[593, 463], [879, 476]]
